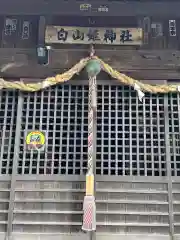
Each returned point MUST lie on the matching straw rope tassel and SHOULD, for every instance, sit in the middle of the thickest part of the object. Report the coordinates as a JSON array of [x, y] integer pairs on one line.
[[89, 208]]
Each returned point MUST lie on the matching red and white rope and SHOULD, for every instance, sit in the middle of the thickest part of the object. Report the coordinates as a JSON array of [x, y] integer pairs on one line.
[[92, 107]]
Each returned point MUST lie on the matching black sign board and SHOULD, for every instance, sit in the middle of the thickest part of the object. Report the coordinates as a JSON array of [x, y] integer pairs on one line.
[[19, 31]]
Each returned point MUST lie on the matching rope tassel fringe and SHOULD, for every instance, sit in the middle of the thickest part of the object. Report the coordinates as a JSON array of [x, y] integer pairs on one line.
[[139, 92]]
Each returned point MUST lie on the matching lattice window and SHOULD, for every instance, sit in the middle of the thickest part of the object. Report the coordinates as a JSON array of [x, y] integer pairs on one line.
[[130, 135], [174, 132], [8, 113], [61, 112]]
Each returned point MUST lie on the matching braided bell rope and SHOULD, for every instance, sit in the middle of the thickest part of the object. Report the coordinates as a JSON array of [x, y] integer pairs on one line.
[[76, 69]]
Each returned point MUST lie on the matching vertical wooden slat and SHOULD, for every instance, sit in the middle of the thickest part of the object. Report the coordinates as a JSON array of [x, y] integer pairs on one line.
[[166, 32], [41, 30], [1, 29], [157, 34], [178, 32], [146, 32], [140, 25]]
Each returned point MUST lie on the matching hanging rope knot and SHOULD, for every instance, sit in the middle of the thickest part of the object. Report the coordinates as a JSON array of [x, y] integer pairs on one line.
[[140, 93]]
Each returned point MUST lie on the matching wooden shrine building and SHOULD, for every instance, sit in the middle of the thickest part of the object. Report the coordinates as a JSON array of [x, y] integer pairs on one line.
[[45, 43], [153, 57]]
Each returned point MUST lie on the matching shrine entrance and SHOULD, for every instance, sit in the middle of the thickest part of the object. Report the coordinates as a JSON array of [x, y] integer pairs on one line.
[[137, 163]]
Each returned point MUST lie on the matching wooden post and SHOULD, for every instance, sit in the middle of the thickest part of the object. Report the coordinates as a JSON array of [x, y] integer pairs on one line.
[[41, 31]]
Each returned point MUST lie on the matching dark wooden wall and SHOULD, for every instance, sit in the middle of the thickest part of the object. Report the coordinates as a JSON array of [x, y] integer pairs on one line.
[[157, 58], [169, 8], [156, 30], [157, 35]]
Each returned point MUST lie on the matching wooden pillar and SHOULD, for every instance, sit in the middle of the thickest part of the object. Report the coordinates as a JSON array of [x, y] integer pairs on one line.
[[42, 51], [41, 31], [178, 32], [146, 24]]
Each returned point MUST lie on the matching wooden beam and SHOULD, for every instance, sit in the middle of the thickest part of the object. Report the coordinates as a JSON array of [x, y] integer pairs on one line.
[[116, 8], [122, 59], [35, 71], [138, 64]]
